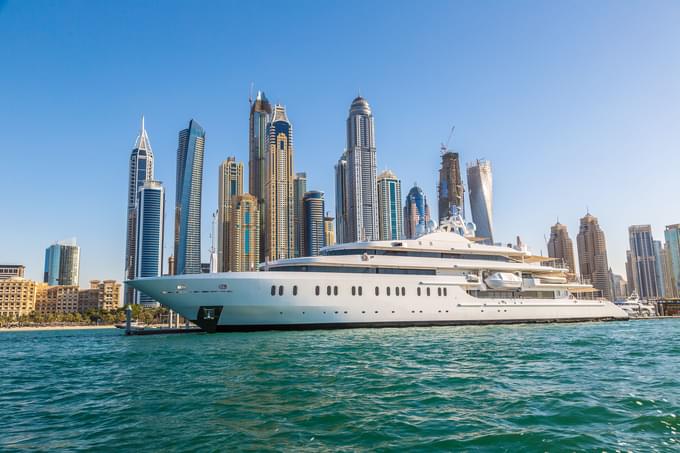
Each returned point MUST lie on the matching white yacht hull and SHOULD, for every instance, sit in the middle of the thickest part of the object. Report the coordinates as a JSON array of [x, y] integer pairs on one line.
[[244, 302]]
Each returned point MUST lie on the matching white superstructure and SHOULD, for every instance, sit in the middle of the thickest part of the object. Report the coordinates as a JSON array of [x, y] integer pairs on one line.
[[441, 278]]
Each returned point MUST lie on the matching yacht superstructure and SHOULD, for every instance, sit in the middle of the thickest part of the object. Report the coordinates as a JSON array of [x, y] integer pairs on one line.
[[440, 278]]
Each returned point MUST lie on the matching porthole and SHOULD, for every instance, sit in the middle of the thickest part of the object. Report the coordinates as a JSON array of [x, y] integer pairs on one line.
[[387, 290], [413, 311], [280, 290], [328, 290], [345, 312], [317, 290], [294, 290], [336, 312], [273, 290], [354, 290], [392, 311], [376, 311], [360, 291], [418, 291], [420, 311], [335, 290], [362, 311]]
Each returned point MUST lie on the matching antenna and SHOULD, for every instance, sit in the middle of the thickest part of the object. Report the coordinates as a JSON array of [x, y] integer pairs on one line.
[[250, 94]]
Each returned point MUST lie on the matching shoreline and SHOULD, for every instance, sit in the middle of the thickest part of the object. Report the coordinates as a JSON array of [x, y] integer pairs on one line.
[[38, 328]]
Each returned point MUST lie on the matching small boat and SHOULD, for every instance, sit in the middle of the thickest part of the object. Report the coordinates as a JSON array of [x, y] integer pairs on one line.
[[133, 325], [503, 280]]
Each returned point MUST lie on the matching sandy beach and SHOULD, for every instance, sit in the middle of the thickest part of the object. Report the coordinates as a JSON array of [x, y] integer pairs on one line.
[[26, 329]]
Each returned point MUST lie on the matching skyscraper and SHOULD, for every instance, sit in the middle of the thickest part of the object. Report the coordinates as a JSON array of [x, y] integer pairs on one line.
[[299, 190], [619, 287], [149, 234], [140, 171], [480, 185], [592, 255], [244, 253], [279, 206], [672, 236], [416, 213], [560, 246], [188, 199], [659, 258], [643, 261], [390, 220], [341, 207], [313, 229], [230, 186], [258, 136], [361, 193], [62, 263], [451, 191], [329, 231]]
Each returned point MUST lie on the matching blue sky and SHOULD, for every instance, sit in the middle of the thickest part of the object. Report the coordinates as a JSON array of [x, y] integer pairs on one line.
[[575, 103]]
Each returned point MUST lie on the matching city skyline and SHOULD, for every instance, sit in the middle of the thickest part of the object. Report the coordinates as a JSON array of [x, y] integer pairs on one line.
[[520, 155]]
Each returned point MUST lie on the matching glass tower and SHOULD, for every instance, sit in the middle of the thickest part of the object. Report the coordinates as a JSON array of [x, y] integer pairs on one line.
[[313, 229], [672, 236], [390, 210], [451, 192], [299, 190], [188, 199], [341, 214], [150, 223], [230, 186], [361, 195], [480, 184], [258, 136], [140, 171], [416, 213], [62, 263], [643, 261]]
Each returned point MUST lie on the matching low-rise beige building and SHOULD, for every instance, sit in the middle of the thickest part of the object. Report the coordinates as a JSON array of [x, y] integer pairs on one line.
[[58, 299], [17, 297], [101, 295]]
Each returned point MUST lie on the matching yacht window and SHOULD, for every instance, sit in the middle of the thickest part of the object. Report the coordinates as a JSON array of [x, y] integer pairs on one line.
[[335, 290], [354, 290], [377, 291], [360, 290], [328, 290], [388, 290], [403, 291], [444, 291], [396, 290], [428, 292], [280, 290], [317, 290], [439, 292], [273, 290], [418, 290], [294, 290]]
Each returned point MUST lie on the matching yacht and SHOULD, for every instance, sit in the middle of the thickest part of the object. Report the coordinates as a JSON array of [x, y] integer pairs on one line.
[[443, 277]]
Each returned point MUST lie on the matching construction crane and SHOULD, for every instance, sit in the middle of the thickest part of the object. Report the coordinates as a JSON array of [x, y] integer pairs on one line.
[[445, 146]]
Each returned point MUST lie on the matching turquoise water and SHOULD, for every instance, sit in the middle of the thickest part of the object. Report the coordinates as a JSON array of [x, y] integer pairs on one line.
[[577, 387]]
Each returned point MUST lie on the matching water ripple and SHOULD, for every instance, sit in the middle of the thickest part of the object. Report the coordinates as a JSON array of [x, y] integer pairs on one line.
[[586, 387]]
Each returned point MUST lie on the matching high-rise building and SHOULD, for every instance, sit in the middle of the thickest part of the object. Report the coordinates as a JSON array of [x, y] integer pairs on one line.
[[244, 253], [149, 236], [140, 170], [62, 263], [592, 255], [341, 206], [390, 210], [643, 261], [664, 259], [672, 236], [619, 286], [480, 185], [279, 206], [230, 186], [416, 213], [299, 190], [188, 199], [561, 247], [361, 196], [659, 267], [11, 270], [451, 191], [101, 295], [258, 137], [313, 225], [329, 230]]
